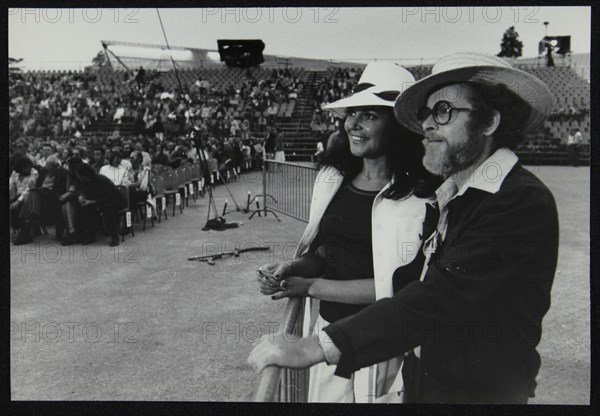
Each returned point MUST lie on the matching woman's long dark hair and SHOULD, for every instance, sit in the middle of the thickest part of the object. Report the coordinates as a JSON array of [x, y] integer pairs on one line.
[[22, 164], [405, 158]]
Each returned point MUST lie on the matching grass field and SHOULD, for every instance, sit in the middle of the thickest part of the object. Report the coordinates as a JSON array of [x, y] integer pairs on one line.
[[142, 323]]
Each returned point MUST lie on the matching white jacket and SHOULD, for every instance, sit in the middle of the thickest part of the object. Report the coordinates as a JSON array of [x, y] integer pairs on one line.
[[397, 228]]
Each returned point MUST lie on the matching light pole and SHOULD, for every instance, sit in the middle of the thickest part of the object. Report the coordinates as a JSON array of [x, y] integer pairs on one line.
[[546, 27]]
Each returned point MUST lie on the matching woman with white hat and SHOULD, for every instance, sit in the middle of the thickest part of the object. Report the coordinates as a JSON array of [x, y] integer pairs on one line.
[[366, 227]]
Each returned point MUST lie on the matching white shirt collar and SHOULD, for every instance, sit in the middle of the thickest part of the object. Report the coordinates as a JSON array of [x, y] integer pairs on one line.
[[489, 175]]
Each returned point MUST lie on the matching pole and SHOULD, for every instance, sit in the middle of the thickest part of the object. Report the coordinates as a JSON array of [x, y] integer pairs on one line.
[[264, 181], [169, 48]]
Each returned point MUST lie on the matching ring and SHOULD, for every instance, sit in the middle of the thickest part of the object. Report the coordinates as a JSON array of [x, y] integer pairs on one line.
[[283, 285]]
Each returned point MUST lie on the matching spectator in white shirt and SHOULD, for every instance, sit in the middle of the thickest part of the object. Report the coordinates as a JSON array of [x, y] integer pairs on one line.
[[115, 171]]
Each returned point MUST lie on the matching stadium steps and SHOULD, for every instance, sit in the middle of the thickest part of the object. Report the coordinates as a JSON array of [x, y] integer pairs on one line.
[[298, 141]]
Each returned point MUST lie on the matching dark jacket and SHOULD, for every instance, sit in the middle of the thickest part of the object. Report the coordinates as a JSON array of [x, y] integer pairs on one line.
[[60, 180], [104, 192], [270, 142], [477, 314]]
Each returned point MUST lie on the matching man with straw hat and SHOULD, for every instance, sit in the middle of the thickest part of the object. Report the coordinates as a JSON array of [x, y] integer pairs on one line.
[[470, 326]]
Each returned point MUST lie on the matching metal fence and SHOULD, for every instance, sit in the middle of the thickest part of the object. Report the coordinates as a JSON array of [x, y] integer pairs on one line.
[[287, 188], [285, 385]]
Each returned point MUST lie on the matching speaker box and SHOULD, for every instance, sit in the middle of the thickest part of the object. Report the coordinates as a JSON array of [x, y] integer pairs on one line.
[[243, 53]]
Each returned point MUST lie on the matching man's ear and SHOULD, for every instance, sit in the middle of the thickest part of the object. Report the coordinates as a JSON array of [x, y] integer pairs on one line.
[[493, 126]]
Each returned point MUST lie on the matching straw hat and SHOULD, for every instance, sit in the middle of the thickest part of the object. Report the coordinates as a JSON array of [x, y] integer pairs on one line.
[[477, 68], [379, 85]]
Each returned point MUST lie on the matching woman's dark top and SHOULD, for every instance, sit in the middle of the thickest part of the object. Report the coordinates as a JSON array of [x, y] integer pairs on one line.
[[345, 233]]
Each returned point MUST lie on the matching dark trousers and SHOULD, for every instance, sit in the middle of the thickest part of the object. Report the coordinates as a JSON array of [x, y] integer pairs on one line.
[[573, 152], [421, 387], [15, 215], [88, 219]]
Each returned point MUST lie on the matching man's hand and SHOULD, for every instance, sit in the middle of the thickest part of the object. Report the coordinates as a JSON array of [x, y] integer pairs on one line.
[[87, 202], [285, 350], [15, 205]]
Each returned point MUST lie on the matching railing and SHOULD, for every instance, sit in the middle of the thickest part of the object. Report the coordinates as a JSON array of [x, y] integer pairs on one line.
[[287, 188], [285, 385]]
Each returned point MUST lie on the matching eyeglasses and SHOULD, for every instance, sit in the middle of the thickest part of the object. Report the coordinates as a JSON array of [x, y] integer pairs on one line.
[[384, 95], [441, 112]]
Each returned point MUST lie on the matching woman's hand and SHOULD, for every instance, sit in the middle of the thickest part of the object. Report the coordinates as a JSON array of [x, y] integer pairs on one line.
[[293, 287], [269, 275], [267, 285]]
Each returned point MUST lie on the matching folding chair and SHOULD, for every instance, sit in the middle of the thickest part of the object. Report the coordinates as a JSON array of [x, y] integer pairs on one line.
[[125, 212]]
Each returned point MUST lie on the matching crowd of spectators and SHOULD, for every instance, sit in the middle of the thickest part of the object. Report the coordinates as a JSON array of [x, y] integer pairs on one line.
[[568, 114], [52, 114], [337, 84], [54, 106], [50, 119], [48, 185]]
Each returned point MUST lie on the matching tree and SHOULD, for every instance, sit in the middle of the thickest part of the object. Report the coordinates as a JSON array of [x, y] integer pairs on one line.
[[511, 46], [100, 60]]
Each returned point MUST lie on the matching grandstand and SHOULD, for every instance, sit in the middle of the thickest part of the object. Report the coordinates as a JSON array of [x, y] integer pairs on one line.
[[295, 87]]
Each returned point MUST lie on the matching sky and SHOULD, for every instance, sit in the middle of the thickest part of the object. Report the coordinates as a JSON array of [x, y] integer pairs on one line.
[[70, 38]]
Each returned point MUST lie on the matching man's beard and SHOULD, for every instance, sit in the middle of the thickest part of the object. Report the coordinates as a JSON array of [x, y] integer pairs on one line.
[[444, 160]]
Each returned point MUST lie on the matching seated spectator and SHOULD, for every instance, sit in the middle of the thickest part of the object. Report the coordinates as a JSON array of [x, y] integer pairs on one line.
[[177, 156], [160, 158], [192, 153], [139, 148], [46, 152], [99, 160], [272, 111], [98, 195], [119, 113], [64, 154], [22, 179], [115, 171], [126, 157], [69, 201], [42, 204], [22, 146], [141, 172], [77, 153], [245, 127]]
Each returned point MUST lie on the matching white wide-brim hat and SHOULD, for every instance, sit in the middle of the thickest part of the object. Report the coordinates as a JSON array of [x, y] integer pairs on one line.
[[379, 85], [481, 69]]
